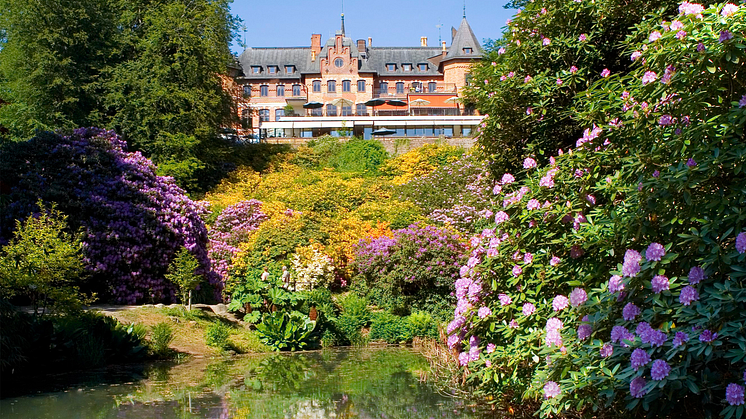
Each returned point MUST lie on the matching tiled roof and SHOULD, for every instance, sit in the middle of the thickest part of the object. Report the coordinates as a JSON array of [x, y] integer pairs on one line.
[[378, 58], [300, 57]]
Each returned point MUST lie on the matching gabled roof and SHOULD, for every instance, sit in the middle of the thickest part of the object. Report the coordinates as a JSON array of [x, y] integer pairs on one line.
[[464, 39]]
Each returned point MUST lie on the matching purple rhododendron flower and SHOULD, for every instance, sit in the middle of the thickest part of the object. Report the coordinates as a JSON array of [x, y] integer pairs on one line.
[[607, 350], [631, 265], [605, 73], [573, 69], [484, 312], [453, 340], [528, 309], [649, 77], [513, 324], [552, 389], [688, 295], [680, 338], [639, 358], [654, 36], [504, 299], [553, 327], [741, 242], [655, 252], [578, 296], [696, 275], [637, 387], [546, 41], [630, 311], [734, 394], [742, 102], [490, 348], [582, 37], [616, 284], [659, 370], [635, 55], [725, 35], [529, 163], [729, 10], [501, 217], [528, 258], [517, 270], [707, 336], [687, 8], [584, 331], [554, 261], [660, 283], [533, 204], [559, 303], [507, 179], [463, 358], [691, 162]]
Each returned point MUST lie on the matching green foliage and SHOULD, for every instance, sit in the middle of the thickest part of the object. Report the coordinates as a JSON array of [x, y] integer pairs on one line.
[[217, 335], [52, 58], [390, 328], [361, 156], [42, 262], [181, 272], [355, 315], [423, 325], [355, 155], [283, 331], [161, 336], [535, 116], [263, 296]]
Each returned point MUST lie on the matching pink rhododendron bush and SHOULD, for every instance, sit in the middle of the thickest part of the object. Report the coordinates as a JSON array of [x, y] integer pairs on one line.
[[613, 277], [133, 222]]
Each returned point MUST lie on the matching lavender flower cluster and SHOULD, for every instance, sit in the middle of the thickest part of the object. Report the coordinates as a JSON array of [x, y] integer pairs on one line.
[[133, 221]]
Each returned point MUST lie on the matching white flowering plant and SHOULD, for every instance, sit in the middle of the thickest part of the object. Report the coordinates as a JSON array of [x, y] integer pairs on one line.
[[312, 268]]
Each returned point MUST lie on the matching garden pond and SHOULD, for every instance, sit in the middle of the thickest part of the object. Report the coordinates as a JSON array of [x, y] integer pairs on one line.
[[341, 383]]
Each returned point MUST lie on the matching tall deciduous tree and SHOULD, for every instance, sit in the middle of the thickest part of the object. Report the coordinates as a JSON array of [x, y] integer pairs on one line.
[[52, 54], [166, 95]]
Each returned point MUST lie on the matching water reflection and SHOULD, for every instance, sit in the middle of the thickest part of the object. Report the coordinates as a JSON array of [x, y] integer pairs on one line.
[[339, 384]]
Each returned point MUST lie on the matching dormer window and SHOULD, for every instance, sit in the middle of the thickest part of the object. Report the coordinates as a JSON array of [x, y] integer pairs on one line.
[[422, 67], [467, 50], [290, 69], [391, 67], [255, 69], [406, 67], [272, 69]]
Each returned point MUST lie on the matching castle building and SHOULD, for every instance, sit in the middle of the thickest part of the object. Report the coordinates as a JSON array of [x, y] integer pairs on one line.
[[353, 87]]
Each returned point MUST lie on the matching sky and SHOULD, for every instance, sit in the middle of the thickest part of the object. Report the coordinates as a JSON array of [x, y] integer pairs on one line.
[[391, 23]]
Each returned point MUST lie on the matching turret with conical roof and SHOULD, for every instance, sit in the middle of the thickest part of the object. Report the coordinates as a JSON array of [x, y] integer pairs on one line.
[[464, 45]]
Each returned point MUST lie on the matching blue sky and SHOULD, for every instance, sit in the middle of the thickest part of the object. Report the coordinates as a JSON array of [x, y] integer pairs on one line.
[[288, 23]]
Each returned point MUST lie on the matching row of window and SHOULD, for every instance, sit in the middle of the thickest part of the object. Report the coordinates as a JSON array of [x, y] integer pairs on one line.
[[406, 67], [273, 69], [331, 87]]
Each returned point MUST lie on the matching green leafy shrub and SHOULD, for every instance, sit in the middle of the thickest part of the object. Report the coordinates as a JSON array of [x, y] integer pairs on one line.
[[423, 325], [161, 336], [349, 330], [613, 279], [43, 263], [283, 331], [217, 335], [390, 328]]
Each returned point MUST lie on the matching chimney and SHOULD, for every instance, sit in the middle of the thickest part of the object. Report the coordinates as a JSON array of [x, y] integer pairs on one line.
[[316, 43], [370, 42], [423, 41], [361, 45], [444, 46]]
